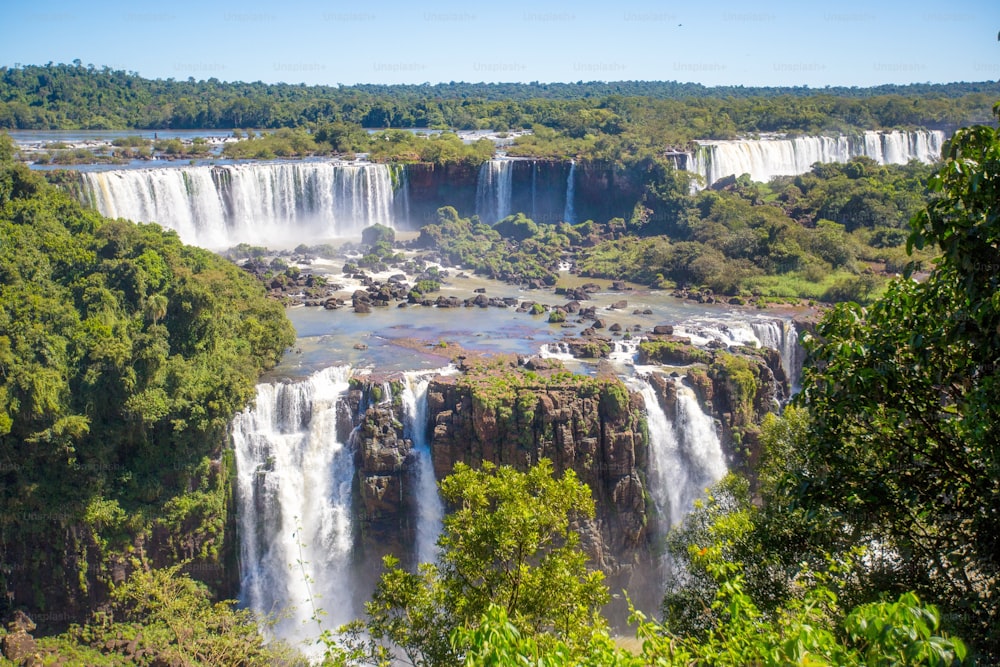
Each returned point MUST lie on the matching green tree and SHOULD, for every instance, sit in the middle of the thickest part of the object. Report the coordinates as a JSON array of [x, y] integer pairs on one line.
[[904, 448], [376, 234], [165, 617], [509, 542]]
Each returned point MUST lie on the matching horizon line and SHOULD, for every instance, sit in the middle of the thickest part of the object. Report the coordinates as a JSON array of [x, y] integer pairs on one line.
[[190, 79]]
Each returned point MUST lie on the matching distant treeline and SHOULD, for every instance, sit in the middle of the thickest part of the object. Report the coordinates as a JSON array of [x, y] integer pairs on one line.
[[74, 96]]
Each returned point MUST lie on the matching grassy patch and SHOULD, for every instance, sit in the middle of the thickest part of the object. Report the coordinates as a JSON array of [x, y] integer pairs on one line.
[[796, 285]]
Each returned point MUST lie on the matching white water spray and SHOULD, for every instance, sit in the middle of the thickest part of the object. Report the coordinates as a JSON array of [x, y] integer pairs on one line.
[[685, 453], [494, 190], [220, 206], [430, 508], [556, 350], [294, 495]]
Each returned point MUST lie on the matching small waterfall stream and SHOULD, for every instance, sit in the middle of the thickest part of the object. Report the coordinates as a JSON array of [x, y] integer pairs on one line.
[[569, 213], [430, 508], [494, 190]]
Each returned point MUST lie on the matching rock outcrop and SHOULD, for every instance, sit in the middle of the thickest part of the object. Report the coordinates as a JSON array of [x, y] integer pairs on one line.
[[507, 414]]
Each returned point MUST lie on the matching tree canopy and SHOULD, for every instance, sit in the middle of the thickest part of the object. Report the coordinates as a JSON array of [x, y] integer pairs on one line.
[[124, 355], [621, 121], [509, 541], [904, 443]]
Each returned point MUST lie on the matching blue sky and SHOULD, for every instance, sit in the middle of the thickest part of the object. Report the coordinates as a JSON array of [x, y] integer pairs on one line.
[[331, 42]]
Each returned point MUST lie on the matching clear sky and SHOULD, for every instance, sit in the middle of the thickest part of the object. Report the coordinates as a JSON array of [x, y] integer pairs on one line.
[[330, 42]]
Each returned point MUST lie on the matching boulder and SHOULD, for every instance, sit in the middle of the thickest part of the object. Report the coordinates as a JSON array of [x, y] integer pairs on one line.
[[17, 644]]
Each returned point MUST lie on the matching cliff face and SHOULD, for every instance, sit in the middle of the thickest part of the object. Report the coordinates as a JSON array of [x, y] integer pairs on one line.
[[510, 416], [63, 569], [430, 187], [538, 188], [596, 435], [384, 483]]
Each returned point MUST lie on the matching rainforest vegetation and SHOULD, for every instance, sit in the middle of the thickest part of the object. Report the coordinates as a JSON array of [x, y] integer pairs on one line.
[[866, 535], [74, 96], [123, 356], [620, 121]]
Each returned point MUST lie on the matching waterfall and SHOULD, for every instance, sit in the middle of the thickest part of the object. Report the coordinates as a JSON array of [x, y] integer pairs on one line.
[[569, 215], [782, 336], [430, 508], [774, 333], [685, 453], [900, 147], [766, 158], [385, 393], [557, 350], [220, 206], [625, 351], [493, 190], [401, 192], [294, 505], [790, 354]]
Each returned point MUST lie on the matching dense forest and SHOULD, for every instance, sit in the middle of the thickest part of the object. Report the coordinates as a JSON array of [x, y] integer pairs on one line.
[[123, 356], [80, 97], [621, 123]]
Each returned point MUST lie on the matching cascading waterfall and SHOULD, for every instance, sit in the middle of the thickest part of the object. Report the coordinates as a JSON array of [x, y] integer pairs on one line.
[[401, 191], [557, 350], [790, 357], [430, 508], [220, 206], [766, 158], [494, 190], [569, 214], [901, 147], [625, 351], [776, 334], [782, 336], [294, 502], [385, 393], [685, 453]]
